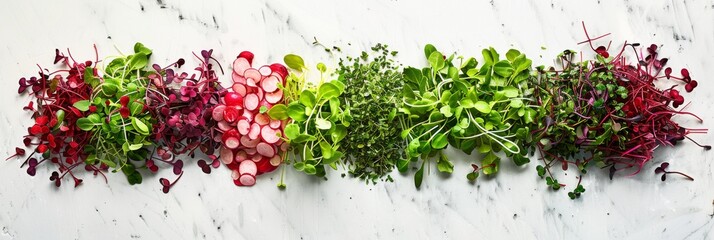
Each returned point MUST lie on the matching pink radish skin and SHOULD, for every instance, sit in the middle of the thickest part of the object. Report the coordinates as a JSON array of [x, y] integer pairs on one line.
[[247, 55], [266, 104], [254, 74], [243, 126], [280, 69], [265, 149], [248, 167], [265, 70], [235, 174], [218, 112], [233, 99], [226, 156], [251, 101], [270, 84], [224, 126], [249, 143], [232, 113], [240, 65], [274, 97], [269, 135], [254, 131], [247, 180], [262, 119]]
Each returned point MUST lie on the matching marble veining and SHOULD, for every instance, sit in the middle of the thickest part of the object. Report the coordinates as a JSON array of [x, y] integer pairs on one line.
[[514, 205]]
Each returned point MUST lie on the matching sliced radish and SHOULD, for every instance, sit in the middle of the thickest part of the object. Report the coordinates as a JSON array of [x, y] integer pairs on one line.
[[224, 126], [240, 89], [266, 104], [265, 166], [265, 70], [262, 119], [284, 147], [218, 137], [226, 155], [274, 97], [276, 160], [269, 135], [251, 101], [248, 167], [238, 78], [249, 143], [254, 131], [254, 74], [235, 174], [251, 83], [251, 151], [240, 156], [231, 142], [233, 99], [265, 149], [275, 124], [232, 113], [270, 84], [218, 112], [260, 93], [280, 69], [247, 55], [256, 158], [240, 65], [233, 166], [248, 115], [247, 180], [243, 126]]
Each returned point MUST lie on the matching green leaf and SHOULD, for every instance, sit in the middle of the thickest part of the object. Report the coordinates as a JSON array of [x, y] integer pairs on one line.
[[82, 105], [436, 60], [294, 61], [296, 111], [278, 112], [310, 169], [263, 109], [299, 166], [516, 103], [321, 67], [472, 176], [439, 141], [446, 111], [490, 163], [338, 133], [529, 115], [86, 124], [510, 92], [419, 176], [482, 106], [307, 98], [140, 48], [512, 54], [444, 165], [292, 131], [139, 126], [133, 147], [327, 91], [503, 68], [138, 61], [428, 49], [323, 124], [326, 149]]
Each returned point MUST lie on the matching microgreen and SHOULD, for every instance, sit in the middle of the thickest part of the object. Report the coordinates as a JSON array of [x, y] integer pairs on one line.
[[454, 101], [662, 169]]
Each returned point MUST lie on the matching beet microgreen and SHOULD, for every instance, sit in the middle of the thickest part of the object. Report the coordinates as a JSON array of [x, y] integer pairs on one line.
[[55, 136], [663, 170], [489, 109], [319, 120]]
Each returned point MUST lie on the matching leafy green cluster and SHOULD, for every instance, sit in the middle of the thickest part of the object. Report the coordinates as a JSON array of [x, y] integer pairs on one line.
[[373, 88], [319, 120], [119, 137], [488, 108]]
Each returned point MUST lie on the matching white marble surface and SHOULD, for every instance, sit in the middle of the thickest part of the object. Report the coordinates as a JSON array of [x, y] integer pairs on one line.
[[515, 205]]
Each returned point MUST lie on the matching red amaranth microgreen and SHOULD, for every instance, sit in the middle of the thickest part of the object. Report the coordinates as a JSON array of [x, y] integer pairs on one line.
[[55, 136], [607, 111]]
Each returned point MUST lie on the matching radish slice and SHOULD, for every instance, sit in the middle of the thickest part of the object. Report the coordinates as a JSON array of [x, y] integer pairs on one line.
[[262, 119], [269, 135], [248, 115], [250, 151], [279, 69], [235, 174], [265, 166], [218, 112], [266, 104], [254, 74], [240, 89], [238, 78], [240, 156], [225, 126], [243, 126], [251, 101], [270, 84], [276, 160], [254, 131], [275, 124], [247, 180], [251, 83], [256, 158], [226, 155], [232, 113], [265, 70], [240, 65], [248, 56], [265, 149], [233, 166], [248, 167], [284, 147], [249, 143], [274, 97], [260, 93], [232, 142], [218, 137], [233, 99]]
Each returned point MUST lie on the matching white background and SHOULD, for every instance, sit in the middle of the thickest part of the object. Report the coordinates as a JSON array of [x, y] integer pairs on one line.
[[515, 204]]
